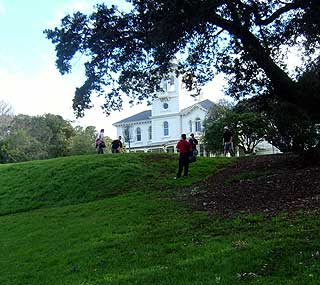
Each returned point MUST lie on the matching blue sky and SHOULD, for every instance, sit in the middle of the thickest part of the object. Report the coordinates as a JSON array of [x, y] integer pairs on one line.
[[29, 80], [21, 27]]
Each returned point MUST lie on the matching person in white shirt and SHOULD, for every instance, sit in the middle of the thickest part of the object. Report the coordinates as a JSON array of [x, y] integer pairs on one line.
[[100, 142]]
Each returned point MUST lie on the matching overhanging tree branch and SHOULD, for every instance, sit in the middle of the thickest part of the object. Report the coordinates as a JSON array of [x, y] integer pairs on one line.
[[140, 44], [275, 15]]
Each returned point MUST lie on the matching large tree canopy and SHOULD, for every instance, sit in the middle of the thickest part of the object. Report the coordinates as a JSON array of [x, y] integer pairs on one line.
[[130, 52]]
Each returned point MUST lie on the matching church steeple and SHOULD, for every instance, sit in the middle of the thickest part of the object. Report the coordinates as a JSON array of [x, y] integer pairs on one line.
[[167, 101]]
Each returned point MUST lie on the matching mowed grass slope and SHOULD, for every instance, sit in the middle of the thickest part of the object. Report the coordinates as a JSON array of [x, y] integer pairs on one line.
[[111, 219], [65, 181]]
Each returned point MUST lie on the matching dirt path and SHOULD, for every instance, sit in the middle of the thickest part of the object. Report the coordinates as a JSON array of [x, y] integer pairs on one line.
[[267, 184]]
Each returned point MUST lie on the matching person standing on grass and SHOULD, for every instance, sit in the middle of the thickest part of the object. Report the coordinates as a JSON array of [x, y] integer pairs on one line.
[[116, 145], [194, 142], [227, 142], [100, 142], [120, 144], [184, 148]]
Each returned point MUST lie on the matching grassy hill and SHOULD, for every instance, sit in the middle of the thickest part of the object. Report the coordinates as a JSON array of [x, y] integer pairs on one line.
[[122, 219]]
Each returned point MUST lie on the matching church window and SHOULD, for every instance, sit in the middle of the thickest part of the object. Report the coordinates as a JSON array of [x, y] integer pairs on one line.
[[126, 134], [150, 133], [165, 128], [190, 126], [139, 134], [198, 125], [171, 85], [164, 85], [171, 80]]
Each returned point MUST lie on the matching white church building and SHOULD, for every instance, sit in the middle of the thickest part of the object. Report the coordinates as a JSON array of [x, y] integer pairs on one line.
[[172, 113]]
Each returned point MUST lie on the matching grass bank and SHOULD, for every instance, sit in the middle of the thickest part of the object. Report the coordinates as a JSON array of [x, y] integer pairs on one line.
[[111, 220]]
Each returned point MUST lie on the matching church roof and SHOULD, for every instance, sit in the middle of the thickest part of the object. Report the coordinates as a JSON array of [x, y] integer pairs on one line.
[[146, 115], [142, 116], [206, 104]]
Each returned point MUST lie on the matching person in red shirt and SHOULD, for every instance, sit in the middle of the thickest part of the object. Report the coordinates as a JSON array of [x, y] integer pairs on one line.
[[184, 148]]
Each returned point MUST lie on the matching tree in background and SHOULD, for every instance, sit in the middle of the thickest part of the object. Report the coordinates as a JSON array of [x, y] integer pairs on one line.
[[214, 124], [5, 108], [4, 154], [5, 124], [249, 128], [253, 125], [83, 142], [51, 131], [61, 133], [219, 110], [289, 127], [21, 146], [6, 116], [43, 137]]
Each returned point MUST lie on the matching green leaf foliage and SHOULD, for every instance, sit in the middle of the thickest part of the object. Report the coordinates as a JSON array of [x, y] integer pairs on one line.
[[24, 137], [247, 126], [131, 51]]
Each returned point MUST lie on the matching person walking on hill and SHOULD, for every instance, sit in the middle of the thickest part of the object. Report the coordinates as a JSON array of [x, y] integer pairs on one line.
[[120, 144], [193, 154], [227, 142], [116, 145], [100, 144], [184, 148]]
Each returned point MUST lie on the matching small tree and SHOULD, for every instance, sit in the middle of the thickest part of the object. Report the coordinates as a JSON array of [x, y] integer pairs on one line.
[[289, 128], [6, 115], [213, 125], [248, 129], [127, 136], [83, 141], [251, 129], [5, 109], [4, 154]]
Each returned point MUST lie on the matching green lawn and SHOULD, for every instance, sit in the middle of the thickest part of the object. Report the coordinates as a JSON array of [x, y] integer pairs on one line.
[[111, 219]]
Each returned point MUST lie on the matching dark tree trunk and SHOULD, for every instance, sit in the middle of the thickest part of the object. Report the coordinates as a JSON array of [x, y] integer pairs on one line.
[[284, 88], [283, 85]]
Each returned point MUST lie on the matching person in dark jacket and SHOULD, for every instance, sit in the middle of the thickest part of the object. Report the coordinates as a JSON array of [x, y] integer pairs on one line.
[[227, 142], [116, 145], [193, 141], [184, 148], [193, 154]]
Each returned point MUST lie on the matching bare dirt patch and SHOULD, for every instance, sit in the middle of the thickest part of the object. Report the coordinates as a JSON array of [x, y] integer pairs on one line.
[[261, 184]]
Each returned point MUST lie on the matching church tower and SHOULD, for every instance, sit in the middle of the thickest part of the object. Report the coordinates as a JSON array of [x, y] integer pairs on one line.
[[166, 113], [168, 100]]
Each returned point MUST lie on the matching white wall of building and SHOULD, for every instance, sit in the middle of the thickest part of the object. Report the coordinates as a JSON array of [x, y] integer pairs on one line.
[[168, 101], [133, 134], [196, 113], [177, 124], [185, 98], [174, 128], [166, 108]]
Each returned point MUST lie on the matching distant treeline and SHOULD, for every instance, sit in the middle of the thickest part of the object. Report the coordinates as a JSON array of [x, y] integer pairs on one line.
[[24, 138]]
